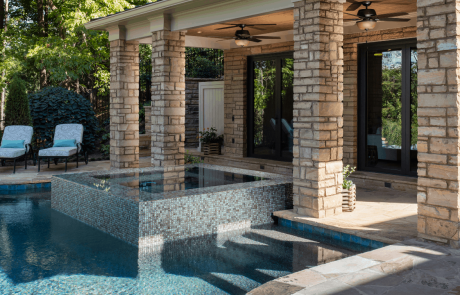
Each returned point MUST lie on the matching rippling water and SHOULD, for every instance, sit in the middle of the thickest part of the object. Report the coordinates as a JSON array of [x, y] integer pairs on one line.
[[43, 251]]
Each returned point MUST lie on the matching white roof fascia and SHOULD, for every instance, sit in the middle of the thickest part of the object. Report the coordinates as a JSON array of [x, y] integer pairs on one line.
[[138, 23], [145, 10]]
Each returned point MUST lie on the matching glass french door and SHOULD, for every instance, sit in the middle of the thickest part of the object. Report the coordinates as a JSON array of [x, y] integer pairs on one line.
[[270, 106], [387, 105]]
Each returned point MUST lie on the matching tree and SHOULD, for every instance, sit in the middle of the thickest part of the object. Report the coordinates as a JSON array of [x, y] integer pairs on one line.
[[47, 43], [17, 105]]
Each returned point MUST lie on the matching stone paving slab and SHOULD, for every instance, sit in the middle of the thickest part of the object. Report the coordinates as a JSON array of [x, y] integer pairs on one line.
[[31, 175], [411, 267], [384, 215]]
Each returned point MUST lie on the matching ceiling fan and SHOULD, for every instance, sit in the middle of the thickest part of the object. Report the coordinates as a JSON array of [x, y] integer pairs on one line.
[[367, 18], [243, 37]]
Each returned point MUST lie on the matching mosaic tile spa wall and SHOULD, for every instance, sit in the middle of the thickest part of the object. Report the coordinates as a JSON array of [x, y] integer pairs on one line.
[[126, 210]]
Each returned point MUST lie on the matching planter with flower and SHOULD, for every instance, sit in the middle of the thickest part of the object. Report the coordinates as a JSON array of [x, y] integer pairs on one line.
[[210, 141], [348, 190]]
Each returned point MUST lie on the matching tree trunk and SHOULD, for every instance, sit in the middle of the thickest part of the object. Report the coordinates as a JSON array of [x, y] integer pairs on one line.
[[42, 33], [2, 15], [3, 26]]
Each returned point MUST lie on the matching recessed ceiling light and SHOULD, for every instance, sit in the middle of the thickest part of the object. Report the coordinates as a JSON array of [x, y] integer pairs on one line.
[[199, 32]]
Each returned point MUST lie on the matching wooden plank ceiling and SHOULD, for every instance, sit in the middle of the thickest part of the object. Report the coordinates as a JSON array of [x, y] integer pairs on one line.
[[284, 19]]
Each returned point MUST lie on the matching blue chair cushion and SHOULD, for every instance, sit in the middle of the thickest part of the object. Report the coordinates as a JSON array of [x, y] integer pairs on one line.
[[12, 144], [64, 143]]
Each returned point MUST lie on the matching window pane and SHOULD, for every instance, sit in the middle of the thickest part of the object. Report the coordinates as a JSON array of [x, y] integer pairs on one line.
[[384, 110], [264, 108]]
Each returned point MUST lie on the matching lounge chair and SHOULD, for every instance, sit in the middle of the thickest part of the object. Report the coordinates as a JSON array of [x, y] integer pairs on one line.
[[16, 145], [67, 142]]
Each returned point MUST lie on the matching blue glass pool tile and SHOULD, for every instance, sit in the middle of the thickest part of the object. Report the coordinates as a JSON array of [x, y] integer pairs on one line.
[[336, 236], [298, 225], [23, 187], [332, 237], [288, 223], [308, 228], [347, 238], [377, 244]]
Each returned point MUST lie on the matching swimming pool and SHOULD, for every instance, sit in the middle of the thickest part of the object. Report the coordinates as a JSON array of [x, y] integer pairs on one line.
[[43, 251]]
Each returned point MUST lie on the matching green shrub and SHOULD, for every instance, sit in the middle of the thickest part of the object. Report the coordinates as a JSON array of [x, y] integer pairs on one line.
[[52, 106], [17, 105], [191, 159], [347, 171]]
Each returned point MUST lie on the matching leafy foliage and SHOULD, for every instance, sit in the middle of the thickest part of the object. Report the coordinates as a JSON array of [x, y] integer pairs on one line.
[[55, 105], [204, 62], [347, 171], [264, 87], [72, 56], [392, 104], [209, 135], [190, 159], [17, 105]]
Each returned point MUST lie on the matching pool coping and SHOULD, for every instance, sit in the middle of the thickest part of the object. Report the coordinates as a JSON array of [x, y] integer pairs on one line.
[[89, 180], [293, 217], [372, 269]]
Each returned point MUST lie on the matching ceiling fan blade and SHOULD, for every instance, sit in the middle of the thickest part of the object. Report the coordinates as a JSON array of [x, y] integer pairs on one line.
[[353, 6], [353, 15], [266, 37], [226, 28], [261, 25], [221, 37], [393, 19], [260, 29], [254, 40], [380, 16]]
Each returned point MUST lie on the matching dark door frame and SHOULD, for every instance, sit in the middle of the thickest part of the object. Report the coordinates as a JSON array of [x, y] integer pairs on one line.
[[250, 102], [405, 46]]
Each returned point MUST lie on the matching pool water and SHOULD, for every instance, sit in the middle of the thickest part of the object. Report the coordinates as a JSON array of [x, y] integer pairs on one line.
[[193, 178], [43, 251]]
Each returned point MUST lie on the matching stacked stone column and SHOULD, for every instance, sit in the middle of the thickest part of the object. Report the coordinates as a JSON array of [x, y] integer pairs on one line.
[[318, 123], [124, 104], [438, 118], [168, 98]]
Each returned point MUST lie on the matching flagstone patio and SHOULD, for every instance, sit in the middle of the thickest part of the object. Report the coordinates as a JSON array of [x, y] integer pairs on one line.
[[411, 267]]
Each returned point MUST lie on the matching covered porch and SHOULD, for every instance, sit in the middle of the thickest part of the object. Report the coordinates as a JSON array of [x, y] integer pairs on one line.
[[324, 45]]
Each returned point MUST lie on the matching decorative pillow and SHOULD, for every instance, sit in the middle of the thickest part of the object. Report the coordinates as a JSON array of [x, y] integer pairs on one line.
[[64, 143], [12, 144]]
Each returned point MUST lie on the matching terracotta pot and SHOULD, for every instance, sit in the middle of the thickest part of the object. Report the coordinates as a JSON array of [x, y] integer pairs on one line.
[[210, 148], [349, 199]]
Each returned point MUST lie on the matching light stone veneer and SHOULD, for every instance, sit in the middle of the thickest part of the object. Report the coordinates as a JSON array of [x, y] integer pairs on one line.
[[168, 98], [438, 113], [318, 86], [124, 104]]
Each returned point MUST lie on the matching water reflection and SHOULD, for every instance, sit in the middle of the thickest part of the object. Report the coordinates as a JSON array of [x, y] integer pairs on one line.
[[42, 249]]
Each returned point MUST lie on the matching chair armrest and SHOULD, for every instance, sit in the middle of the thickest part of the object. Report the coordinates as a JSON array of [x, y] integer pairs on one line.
[[29, 148], [80, 147]]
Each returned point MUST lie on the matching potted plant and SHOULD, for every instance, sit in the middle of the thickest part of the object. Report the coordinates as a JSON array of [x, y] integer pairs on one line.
[[348, 190], [210, 141]]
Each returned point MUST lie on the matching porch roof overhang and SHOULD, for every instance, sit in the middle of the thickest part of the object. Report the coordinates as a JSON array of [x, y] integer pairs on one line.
[[182, 15], [194, 15]]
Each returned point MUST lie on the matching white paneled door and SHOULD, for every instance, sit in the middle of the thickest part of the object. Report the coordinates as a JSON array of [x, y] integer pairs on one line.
[[212, 105]]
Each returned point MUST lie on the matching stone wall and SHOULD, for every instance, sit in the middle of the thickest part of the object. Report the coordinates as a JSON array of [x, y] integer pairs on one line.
[[192, 115], [350, 83], [318, 108], [438, 119], [168, 98], [124, 104], [235, 94]]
